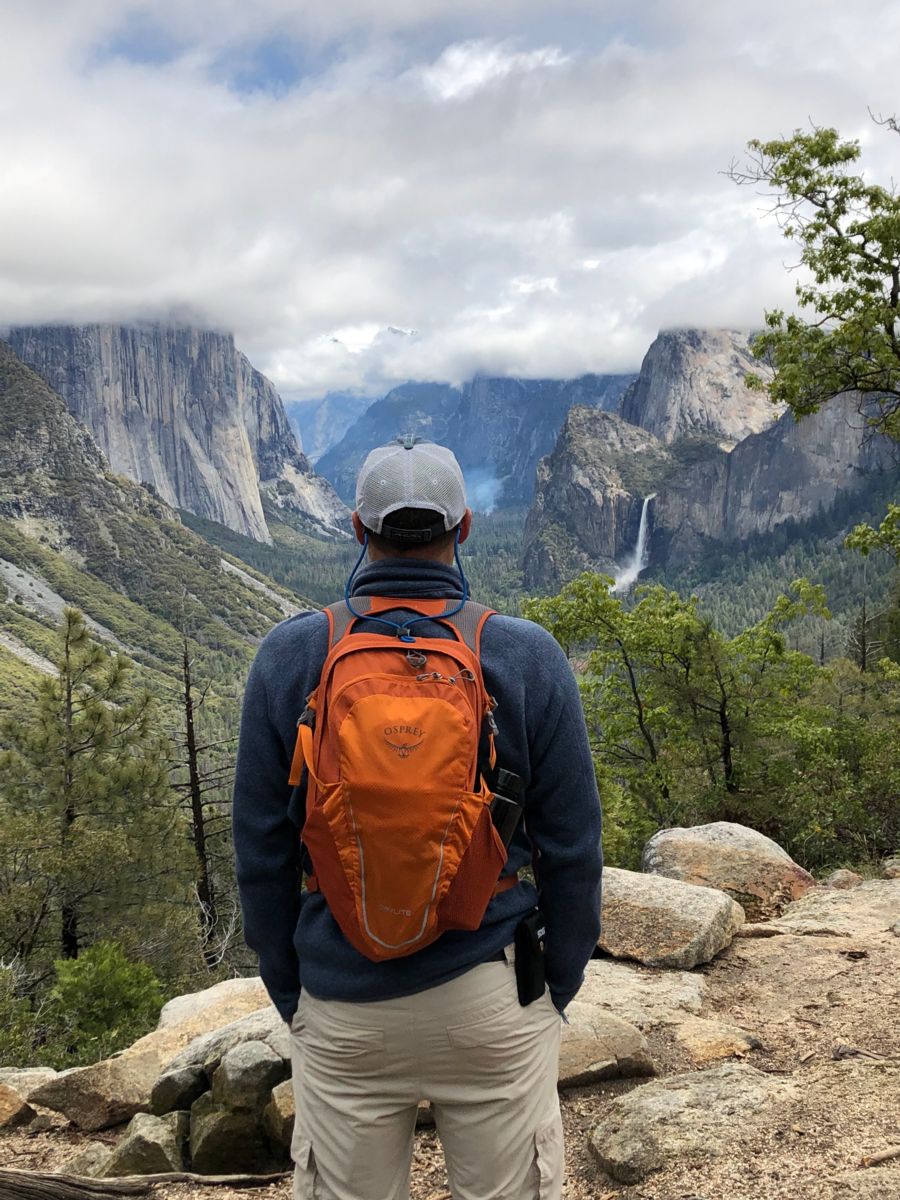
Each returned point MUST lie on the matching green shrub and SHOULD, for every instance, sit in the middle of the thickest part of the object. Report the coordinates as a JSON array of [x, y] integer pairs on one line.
[[17, 1023], [102, 1001]]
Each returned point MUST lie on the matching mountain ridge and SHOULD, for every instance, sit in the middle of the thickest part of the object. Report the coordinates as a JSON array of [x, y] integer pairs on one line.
[[181, 409]]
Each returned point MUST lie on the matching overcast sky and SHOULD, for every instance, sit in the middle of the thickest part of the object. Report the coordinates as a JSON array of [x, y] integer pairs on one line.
[[367, 191]]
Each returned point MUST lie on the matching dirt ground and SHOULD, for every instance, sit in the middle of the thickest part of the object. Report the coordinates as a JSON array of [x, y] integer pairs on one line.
[[826, 1011]]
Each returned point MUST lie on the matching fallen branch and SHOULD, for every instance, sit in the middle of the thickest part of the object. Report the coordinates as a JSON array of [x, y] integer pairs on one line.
[[42, 1185], [872, 1160]]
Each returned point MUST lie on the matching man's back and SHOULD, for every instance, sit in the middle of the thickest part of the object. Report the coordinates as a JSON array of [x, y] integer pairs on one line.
[[541, 739]]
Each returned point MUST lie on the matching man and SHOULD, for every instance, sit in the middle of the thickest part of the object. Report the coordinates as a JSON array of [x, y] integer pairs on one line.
[[371, 1039]]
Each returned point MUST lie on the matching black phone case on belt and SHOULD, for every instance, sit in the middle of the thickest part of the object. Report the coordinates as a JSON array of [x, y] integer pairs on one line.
[[531, 979]]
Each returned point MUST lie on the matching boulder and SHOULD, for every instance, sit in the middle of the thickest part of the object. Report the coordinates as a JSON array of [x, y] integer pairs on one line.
[[754, 871], [246, 1075], [248, 994], [177, 1090], [90, 1160], [663, 922], [647, 999], [842, 879], [208, 1050], [14, 1110], [150, 1145], [225, 1141], [890, 867], [868, 908], [709, 1041], [693, 1116], [112, 1091], [278, 1116], [26, 1080], [596, 1045]]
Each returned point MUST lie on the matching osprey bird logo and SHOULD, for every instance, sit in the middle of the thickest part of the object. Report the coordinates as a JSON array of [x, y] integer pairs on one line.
[[403, 749]]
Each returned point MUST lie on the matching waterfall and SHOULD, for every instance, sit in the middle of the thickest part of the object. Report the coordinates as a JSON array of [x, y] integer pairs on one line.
[[626, 577]]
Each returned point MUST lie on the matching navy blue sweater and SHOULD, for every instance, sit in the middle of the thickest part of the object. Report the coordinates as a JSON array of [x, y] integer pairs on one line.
[[542, 738]]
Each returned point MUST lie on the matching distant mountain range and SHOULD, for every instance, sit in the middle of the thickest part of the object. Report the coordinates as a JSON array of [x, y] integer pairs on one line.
[[498, 428], [321, 422]]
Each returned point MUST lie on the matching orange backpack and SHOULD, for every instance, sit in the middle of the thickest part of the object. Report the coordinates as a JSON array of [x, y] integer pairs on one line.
[[398, 824]]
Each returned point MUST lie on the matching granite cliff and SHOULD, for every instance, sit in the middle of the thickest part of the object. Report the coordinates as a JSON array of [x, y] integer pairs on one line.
[[791, 471], [74, 532], [498, 429], [181, 409], [590, 491], [586, 503], [692, 383]]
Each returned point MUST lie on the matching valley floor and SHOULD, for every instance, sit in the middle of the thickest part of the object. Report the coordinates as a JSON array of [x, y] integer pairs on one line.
[[825, 1012]]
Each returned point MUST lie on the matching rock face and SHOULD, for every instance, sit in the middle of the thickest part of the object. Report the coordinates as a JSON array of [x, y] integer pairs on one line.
[[662, 922], [870, 907], [704, 496], [692, 383], [498, 429], [588, 495], [182, 409], [708, 1041], [698, 1115], [750, 867], [246, 1076], [789, 472], [503, 427]]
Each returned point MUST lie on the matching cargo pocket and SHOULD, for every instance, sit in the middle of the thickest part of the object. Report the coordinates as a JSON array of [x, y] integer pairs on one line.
[[305, 1175], [548, 1159]]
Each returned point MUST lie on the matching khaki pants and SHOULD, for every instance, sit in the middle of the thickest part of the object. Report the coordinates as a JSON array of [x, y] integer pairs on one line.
[[488, 1066]]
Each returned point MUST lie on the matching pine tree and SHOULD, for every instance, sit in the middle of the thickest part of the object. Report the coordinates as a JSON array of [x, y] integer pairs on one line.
[[91, 845]]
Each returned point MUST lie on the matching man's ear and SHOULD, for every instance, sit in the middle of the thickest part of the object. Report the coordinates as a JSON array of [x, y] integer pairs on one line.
[[465, 526], [358, 528]]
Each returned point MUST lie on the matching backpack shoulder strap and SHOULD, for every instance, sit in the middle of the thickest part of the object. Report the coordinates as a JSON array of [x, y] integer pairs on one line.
[[340, 618], [468, 623]]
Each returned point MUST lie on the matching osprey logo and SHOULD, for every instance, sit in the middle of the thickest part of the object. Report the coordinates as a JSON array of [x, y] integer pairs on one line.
[[403, 749]]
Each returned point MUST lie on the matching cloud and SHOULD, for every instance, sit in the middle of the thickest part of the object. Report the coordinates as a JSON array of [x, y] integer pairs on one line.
[[531, 189], [465, 68]]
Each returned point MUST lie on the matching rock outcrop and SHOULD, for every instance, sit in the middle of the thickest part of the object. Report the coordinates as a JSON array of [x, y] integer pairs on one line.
[[692, 383], [750, 867], [183, 410], [663, 922], [112, 1091], [793, 471], [588, 495], [590, 490], [702, 1113]]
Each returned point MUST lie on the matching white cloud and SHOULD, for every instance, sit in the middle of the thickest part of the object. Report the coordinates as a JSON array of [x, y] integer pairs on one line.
[[467, 67], [534, 189]]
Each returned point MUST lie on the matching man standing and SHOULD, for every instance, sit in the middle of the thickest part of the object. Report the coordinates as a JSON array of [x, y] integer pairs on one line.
[[370, 1039]]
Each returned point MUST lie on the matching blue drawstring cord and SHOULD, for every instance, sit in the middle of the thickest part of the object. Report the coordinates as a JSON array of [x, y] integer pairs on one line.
[[402, 628]]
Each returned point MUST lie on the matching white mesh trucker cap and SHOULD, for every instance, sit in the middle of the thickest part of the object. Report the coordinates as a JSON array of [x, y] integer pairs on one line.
[[410, 474]]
